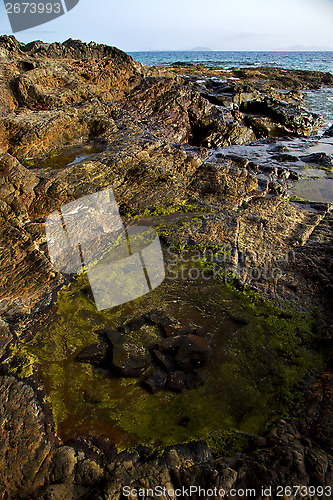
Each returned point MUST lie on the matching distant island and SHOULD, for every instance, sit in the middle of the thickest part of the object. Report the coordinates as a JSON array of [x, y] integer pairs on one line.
[[201, 49]]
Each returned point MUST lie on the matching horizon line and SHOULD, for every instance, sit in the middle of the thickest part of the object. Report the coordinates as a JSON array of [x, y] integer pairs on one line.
[[232, 50]]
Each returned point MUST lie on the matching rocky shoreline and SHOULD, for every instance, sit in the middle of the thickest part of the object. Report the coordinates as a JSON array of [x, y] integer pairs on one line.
[[209, 157]]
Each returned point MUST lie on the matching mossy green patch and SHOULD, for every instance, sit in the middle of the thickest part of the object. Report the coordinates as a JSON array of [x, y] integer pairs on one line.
[[22, 361], [161, 210], [29, 162], [294, 198], [224, 443]]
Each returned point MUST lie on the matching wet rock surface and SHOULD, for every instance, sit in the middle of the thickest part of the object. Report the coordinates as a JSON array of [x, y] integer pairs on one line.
[[26, 447], [187, 139]]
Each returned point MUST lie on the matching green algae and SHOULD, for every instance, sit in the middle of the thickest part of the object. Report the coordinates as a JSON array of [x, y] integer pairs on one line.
[[252, 379], [22, 361], [29, 162], [224, 443]]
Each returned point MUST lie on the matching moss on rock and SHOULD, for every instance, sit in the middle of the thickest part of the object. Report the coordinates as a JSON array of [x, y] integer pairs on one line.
[[252, 378]]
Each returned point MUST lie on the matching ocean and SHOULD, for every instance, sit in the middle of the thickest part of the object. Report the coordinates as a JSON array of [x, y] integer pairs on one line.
[[315, 61], [317, 101]]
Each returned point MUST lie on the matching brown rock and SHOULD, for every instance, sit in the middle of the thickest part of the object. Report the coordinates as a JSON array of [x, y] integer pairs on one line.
[[25, 449], [155, 381], [176, 381], [95, 354]]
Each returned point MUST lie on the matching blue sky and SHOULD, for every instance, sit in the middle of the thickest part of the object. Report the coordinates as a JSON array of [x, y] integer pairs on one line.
[[185, 24]]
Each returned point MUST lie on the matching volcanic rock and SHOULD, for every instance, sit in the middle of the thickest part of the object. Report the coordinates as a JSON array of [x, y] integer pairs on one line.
[[155, 381], [95, 354]]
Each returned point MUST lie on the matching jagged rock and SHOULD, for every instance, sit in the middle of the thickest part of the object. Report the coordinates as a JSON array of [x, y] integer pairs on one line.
[[25, 451], [16, 186], [319, 417], [176, 381], [194, 379], [192, 353], [317, 463], [220, 182], [21, 261], [155, 381], [293, 119], [319, 159]]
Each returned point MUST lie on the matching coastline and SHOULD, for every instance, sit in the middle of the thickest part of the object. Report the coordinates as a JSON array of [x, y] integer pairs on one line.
[[220, 148]]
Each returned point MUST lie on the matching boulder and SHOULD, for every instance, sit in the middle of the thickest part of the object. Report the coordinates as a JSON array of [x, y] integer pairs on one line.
[[129, 359], [328, 132], [193, 352], [322, 159], [176, 381], [165, 361], [95, 354]]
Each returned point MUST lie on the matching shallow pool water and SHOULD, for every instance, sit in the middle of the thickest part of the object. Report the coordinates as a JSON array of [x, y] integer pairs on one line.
[[319, 190], [67, 157], [322, 147]]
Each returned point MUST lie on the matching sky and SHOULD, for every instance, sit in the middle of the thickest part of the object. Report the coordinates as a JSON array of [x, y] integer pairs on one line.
[[139, 25]]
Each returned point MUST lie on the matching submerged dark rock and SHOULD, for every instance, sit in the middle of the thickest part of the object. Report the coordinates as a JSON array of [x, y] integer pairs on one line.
[[129, 359], [194, 379], [153, 128], [166, 361], [96, 354], [176, 381], [170, 362], [155, 381], [192, 353]]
